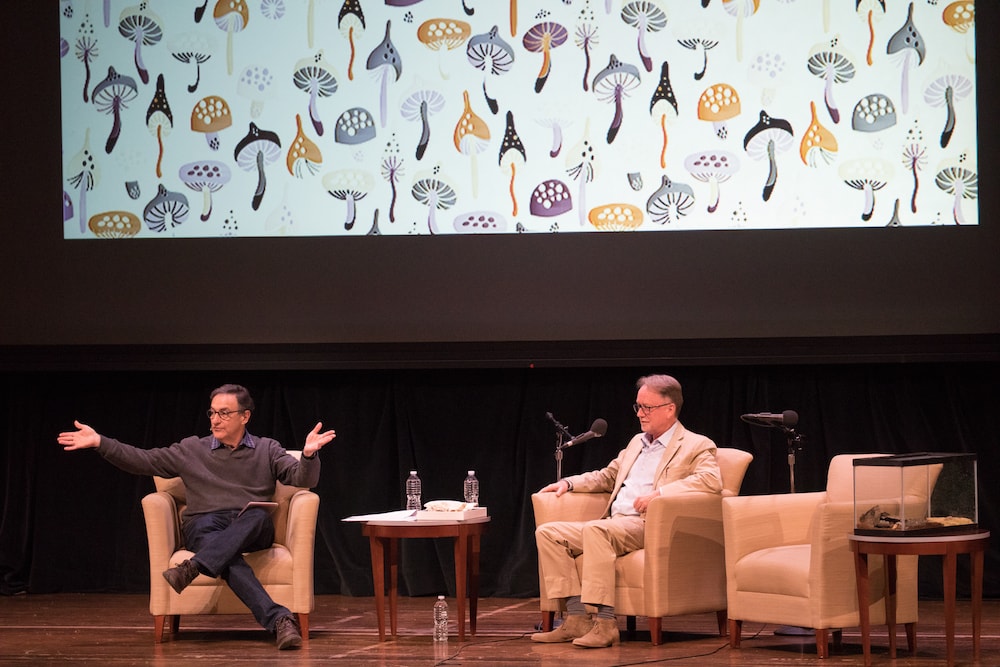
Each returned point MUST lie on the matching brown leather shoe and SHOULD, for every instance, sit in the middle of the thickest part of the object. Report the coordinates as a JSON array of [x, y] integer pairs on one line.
[[603, 634], [575, 625], [286, 632], [181, 575]]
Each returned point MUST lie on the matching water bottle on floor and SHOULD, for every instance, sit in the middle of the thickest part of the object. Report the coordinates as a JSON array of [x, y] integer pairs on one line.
[[413, 491], [471, 488], [440, 620]]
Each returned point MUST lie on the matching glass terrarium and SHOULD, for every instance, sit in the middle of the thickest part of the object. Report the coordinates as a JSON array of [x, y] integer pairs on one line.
[[913, 495]]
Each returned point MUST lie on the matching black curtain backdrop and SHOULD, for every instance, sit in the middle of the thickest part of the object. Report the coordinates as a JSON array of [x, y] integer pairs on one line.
[[70, 522]]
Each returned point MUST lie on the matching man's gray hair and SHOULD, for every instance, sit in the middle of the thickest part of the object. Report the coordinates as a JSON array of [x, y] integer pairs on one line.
[[665, 385]]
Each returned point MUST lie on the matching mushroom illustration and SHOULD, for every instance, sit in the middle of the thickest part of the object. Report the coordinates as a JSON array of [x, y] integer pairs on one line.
[[86, 51], [670, 202], [818, 143], [867, 175], [664, 104], [712, 167], [700, 38], [868, 11], [382, 60], [586, 38], [542, 38], [766, 70], [614, 83], [350, 186], [645, 16], [272, 9], [873, 113], [489, 53], [256, 83], [166, 207], [511, 154], [718, 104], [255, 151], [581, 162], [392, 171], [945, 91], [767, 138], [159, 120], [914, 159], [67, 207], [206, 177], [741, 9], [354, 126], [141, 26], [960, 16], [618, 217], [833, 66], [480, 222], [962, 184], [550, 198], [231, 16], [315, 76], [304, 156], [471, 137], [907, 44], [209, 117], [190, 47], [114, 225], [111, 96], [436, 193], [420, 105], [555, 125], [199, 12], [512, 13], [351, 23], [85, 174], [443, 35]]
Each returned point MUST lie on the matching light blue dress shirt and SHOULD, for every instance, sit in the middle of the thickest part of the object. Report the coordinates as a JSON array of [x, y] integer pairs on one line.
[[639, 481]]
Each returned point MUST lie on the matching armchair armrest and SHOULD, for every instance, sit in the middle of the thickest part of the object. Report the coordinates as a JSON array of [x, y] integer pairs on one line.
[[162, 529], [568, 507], [300, 539]]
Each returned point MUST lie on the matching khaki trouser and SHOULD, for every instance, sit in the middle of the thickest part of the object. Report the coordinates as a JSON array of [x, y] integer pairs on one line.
[[600, 542]]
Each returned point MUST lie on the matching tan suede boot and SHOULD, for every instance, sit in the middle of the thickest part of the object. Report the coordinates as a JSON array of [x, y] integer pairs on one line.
[[603, 634], [575, 625]]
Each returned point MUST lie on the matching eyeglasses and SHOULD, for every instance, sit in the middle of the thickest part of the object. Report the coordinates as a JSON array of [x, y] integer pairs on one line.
[[224, 415], [646, 409]]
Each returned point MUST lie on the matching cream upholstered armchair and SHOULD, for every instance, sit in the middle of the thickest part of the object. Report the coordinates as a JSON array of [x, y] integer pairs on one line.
[[285, 570], [789, 562], [680, 571]]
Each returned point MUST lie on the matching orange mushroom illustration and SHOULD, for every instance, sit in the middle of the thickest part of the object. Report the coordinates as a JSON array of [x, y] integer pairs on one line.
[[960, 16], [114, 225], [351, 23], [231, 16], [511, 154], [664, 105], [718, 104], [818, 143], [471, 137], [304, 156], [542, 38], [443, 35], [159, 120], [210, 116], [868, 11]]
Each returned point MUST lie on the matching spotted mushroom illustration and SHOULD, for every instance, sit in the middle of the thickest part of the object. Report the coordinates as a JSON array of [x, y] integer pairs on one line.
[[205, 177], [944, 91], [256, 83], [907, 45], [443, 35], [550, 198], [646, 16], [869, 175], [351, 23], [870, 11], [254, 152], [349, 186], [480, 222], [437, 194], [114, 225], [960, 16], [86, 51], [741, 9], [159, 120], [766, 70], [818, 143], [354, 126], [961, 183], [766, 139], [542, 38], [489, 53], [84, 175], [166, 208], [582, 166], [304, 156], [512, 154], [833, 66], [471, 137], [586, 37], [384, 61], [192, 48], [209, 116], [613, 84], [663, 105], [712, 167], [873, 113], [421, 105], [231, 16], [616, 217], [718, 104], [315, 76], [142, 27], [670, 202], [112, 96]]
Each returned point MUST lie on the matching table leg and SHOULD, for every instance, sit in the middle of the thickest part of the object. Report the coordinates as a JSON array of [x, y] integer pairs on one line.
[[378, 579], [861, 574], [976, 565], [461, 560], [949, 567], [890, 601], [393, 583], [473, 582]]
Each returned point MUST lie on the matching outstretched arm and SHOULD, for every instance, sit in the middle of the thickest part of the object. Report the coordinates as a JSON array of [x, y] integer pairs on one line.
[[84, 437], [315, 441]]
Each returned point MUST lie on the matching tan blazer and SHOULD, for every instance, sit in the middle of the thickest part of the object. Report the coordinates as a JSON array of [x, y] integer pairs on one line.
[[688, 464]]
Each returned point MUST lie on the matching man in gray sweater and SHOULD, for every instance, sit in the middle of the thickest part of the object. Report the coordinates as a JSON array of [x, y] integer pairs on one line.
[[222, 473]]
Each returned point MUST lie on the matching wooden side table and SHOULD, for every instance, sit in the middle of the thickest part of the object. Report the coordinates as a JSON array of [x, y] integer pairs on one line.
[[383, 538], [948, 546]]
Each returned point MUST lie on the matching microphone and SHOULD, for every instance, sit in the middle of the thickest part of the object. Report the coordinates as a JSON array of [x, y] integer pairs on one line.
[[597, 429], [786, 419]]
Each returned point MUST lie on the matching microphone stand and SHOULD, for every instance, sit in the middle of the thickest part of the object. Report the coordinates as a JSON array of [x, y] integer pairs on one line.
[[559, 454], [794, 440]]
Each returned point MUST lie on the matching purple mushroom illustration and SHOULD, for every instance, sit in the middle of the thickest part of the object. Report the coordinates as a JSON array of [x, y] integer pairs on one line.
[[613, 84], [491, 54], [945, 91], [67, 207], [550, 198], [471, 137], [159, 120], [555, 124], [86, 51], [961, 183], [664, 104], [84, 176], [767, 138], [385, 61], [670, 202], [209, 116], [867, 175], [206, 177], [420, 106], [908, 46], [167, 207], [437, 194], [511, 154], [112, 96], [304, 156], [645, 16], [542, 38], [255, 151], [712, 167], [191, 48], [315, 76], [832, 66], [231, 16], [141, 26], [581, 162], [350, 186], [586, 37], [480, 222], [351, 23]]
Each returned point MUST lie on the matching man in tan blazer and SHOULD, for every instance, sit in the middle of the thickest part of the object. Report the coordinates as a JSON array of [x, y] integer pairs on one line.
[[665, 459]]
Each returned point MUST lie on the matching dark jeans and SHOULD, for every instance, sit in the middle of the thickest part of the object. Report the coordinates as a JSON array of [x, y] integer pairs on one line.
[[219, 540]]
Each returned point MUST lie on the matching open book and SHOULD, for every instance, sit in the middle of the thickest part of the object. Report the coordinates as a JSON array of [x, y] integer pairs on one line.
[[270, 506]]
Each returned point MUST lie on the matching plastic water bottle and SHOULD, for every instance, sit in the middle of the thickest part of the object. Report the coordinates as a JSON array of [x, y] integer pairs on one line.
[[471, 488], [413, 491], [440, 620]]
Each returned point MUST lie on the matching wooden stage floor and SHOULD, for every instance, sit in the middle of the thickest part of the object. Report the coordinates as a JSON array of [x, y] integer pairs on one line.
[[110, 630]]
